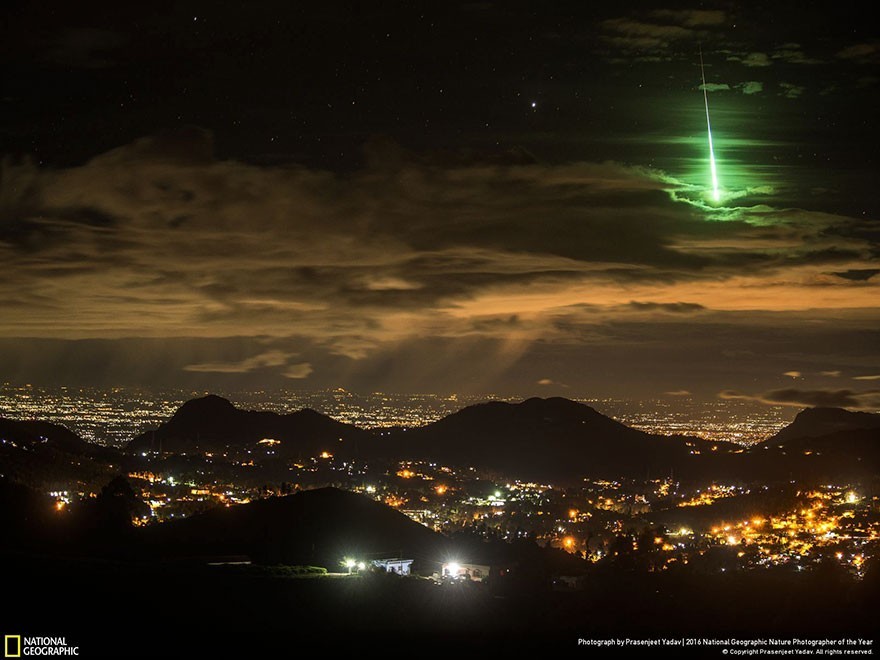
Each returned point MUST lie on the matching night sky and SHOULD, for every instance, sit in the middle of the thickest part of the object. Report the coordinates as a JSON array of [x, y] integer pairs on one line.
[[459, 197]]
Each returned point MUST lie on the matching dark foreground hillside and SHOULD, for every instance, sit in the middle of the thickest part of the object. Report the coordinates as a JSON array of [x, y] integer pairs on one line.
[[137, 610]]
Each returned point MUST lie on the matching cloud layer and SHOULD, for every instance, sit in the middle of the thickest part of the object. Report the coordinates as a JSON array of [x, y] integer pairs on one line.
[[864, 400], [158, 239]]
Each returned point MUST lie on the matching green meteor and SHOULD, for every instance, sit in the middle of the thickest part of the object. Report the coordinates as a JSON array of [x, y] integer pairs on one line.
[[716, 196]]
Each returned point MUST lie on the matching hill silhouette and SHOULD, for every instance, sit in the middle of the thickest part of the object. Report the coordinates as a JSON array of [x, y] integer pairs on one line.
[[816, 422], [24, 513], [317, 527], [42, 454], [829, 442], [213, 423], [553, 438], [34, 434]]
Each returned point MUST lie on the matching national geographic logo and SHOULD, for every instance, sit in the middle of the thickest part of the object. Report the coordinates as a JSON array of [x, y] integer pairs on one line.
[[16, 646], [12, 646]]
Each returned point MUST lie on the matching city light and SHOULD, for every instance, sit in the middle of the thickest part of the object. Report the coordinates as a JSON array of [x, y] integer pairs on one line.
[[819, 520], [349, 564], [583, 374]]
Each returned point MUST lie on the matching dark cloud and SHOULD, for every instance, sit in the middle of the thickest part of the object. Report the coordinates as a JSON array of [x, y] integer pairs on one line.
[[859, 274], [793, 53], [866, 53], [750, 87], [260, 361], [650, 37], [692, 17], [160, 239], [298, 371], [182, 147], [522, 196], [591, 349], [238, 240], [673, 308], [549, 382], [657, 31], [791, 90], [642, 32], [864, 400], [753, 59]]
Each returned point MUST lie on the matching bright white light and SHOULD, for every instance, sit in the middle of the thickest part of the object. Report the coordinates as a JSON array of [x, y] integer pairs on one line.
[[361, 566], [453, 569], [350, 563]]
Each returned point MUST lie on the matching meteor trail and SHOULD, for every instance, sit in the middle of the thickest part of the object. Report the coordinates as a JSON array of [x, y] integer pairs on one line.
[[715, 194]]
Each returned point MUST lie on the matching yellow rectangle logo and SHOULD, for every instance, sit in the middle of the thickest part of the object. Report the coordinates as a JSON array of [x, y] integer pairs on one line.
[[12, 646]]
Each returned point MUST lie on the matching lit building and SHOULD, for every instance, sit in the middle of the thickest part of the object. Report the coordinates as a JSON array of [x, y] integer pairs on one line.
[[395, 565], [475, 572]]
